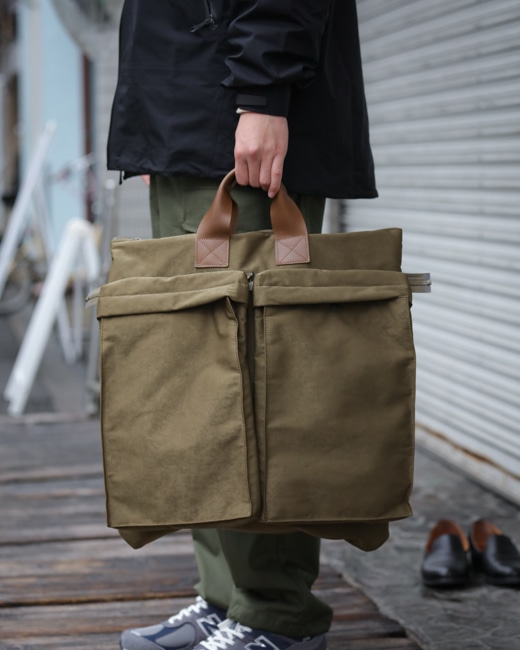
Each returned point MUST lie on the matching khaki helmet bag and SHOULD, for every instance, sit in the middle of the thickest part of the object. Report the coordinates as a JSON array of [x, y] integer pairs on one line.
[[262, 381]]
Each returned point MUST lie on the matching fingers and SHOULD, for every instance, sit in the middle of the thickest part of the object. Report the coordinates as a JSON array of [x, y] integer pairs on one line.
[[276, 176], [260, 147], [266, 174]]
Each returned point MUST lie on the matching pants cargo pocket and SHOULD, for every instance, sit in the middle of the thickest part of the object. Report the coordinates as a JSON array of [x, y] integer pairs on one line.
[[335, 386], [177, 446]]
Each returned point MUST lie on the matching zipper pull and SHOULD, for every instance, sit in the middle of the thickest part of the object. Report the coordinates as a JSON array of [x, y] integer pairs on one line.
[[208, 22], [419, 282], [250, 279]]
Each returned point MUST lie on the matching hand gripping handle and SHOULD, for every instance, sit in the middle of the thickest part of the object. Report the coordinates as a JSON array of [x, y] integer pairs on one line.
[[219, 223]]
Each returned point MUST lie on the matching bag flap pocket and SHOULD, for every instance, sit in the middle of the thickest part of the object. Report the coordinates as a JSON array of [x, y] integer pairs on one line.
[[153, 295], [311, 286]]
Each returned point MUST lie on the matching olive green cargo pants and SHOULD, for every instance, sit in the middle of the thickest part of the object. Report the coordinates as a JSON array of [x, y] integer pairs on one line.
[[263, 581]]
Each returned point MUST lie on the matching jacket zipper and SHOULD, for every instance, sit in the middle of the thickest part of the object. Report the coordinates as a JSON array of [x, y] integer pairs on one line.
[[209, 21]]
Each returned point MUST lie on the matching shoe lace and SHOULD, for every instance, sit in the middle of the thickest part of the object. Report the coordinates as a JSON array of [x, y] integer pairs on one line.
[[228, 631], [196, 608]]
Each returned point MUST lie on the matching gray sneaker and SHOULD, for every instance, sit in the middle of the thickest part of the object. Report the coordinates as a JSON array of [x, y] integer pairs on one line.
[[231, 635], [183, 631]]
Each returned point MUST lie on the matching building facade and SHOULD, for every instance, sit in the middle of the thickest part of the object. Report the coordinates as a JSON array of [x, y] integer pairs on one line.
[[94, 26], [41, 81]]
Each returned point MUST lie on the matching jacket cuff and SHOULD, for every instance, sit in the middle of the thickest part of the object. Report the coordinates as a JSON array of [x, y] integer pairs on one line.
[[271, 100]]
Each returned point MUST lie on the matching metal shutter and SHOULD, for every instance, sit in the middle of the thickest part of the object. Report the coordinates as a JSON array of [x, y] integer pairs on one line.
[[443, 90]]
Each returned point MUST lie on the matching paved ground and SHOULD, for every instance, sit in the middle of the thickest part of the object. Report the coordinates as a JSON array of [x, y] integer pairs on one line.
[[478, 617]]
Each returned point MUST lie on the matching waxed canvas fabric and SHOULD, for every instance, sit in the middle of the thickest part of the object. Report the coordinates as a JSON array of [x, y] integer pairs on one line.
[[258, 397]]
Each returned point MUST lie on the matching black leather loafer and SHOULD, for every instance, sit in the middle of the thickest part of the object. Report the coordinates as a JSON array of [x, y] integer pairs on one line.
[[494, 554], [446, 560]]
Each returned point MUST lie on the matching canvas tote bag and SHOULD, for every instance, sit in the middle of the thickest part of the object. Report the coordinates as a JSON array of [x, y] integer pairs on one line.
[[262, 381]]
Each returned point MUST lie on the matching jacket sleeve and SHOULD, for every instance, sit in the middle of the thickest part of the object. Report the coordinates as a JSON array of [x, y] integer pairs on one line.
[[274, 44]]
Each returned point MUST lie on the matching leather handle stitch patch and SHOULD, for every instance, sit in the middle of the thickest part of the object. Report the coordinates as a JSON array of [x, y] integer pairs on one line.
[[292, 250], [211, 253]]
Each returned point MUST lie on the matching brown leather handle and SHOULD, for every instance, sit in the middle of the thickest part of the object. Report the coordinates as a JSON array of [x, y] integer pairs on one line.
[[219, 223]]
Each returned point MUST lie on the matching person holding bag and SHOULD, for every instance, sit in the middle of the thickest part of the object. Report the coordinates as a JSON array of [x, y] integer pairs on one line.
[[274, 89]]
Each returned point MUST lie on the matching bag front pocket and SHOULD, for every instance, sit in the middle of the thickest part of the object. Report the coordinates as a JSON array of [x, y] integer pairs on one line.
[[334, 388], [177, 444]]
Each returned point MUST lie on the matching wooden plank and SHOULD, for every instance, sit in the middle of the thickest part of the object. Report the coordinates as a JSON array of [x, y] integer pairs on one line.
[[91, 618], [36, 511], [24, 474], [70, 582], [106, 570], [64, 445], [153, 578], [90, 642], [116, 615], [17, 557], [111, 642], [355, 615], [119, 575], [40, 625], [31, 497], [100, 570], [25, 536]]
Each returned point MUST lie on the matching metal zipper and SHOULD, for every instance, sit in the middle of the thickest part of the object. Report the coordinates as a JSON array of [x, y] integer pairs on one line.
[[209, 21], [250, 279]]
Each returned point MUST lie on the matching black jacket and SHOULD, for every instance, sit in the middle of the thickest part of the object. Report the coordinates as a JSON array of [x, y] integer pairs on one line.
[[186, 65]]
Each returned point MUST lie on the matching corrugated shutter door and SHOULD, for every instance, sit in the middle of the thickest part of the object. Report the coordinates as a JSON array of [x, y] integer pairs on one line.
[[443, 90]]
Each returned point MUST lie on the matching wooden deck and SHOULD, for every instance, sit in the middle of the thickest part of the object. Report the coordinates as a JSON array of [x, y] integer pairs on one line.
[[66, 581]]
